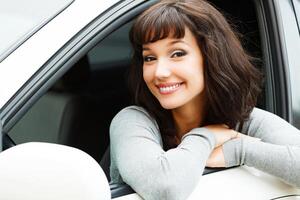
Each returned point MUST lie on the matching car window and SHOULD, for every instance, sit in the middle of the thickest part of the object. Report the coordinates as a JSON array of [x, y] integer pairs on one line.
[[21, 19], [117, 42], [77, 110]]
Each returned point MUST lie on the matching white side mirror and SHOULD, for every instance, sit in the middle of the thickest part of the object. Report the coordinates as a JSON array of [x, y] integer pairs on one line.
[[42, 171]]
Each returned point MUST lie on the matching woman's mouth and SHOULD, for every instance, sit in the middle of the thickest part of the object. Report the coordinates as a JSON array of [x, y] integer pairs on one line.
[[168, 88]]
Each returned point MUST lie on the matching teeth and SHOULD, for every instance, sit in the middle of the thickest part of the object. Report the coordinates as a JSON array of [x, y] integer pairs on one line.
[[169, 88]]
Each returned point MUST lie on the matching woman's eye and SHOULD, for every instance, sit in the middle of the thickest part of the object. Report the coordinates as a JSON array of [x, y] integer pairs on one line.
[[149, 58], [178, 54]]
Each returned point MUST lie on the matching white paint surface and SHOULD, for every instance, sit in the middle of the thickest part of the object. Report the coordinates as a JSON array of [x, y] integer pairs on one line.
[[17, 68]]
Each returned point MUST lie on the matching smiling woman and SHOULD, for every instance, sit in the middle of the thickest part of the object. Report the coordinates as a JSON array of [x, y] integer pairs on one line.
[[180, 58], [195, 89]]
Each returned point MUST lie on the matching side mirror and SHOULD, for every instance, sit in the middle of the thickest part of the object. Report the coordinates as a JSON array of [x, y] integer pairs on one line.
[[35, 171]]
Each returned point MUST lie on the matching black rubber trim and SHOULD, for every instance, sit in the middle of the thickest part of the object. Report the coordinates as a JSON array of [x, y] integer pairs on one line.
[[286, 196], [7, 142], [1, 137], [32, 32], [209, 170], [267, 61], [297, 12], [281, 71], [275, 62], [118, 190]]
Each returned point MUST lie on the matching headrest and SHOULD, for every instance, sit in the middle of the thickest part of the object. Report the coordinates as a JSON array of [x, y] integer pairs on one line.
[[76, 78]]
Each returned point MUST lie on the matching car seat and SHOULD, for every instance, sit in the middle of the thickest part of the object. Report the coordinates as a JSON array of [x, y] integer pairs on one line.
[[67, 114]]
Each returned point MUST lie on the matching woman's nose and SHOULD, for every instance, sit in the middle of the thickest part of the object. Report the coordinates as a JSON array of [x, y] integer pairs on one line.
[[162, 69]]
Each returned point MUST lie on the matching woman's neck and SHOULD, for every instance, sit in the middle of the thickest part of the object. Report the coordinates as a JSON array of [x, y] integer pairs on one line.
[[189, 116]]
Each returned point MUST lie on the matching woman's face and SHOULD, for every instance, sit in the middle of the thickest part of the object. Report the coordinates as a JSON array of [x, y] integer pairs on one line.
[[173, 70]]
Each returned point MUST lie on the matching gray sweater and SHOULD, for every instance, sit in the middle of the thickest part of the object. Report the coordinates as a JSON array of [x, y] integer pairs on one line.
[[138, 159]]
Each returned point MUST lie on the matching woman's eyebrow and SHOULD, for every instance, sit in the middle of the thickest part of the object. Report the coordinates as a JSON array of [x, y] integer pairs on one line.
[[177, 41], [146, 49]]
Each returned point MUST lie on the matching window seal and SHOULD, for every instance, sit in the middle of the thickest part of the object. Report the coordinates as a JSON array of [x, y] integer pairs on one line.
[[274, 59], [296, 7], [1, 136]]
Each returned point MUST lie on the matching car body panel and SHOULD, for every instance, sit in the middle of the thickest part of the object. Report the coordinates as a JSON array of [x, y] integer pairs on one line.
[[17, 68], [18, 23], [256, 185]]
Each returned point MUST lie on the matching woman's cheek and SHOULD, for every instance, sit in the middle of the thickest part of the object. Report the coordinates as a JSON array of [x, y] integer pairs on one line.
[[148, 74]]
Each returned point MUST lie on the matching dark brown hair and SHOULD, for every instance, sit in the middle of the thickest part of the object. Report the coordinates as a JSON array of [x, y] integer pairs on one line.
[[232, 83]]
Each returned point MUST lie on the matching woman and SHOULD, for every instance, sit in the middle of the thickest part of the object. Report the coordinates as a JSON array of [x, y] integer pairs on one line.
[[195, 90]]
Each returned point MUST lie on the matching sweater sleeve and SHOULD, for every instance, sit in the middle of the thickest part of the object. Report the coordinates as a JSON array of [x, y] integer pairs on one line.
[[278, 152], [143, 164]]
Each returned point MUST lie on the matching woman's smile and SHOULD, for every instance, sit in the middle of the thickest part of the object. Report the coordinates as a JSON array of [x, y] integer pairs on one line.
[[168, 88]]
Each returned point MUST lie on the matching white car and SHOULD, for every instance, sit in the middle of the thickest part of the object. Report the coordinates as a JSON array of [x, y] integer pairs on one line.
[[63, 74]]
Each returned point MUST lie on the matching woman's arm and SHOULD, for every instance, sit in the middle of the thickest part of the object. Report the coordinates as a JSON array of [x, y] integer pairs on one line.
[[277, 153], [152, 172]]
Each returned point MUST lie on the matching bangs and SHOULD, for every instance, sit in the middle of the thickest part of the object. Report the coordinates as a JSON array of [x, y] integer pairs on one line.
[[158, 23]]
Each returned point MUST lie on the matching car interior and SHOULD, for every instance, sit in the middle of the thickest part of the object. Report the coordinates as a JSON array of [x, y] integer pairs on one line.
[[77, 110]]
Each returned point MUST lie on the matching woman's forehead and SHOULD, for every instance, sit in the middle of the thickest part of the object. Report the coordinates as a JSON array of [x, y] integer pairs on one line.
[[155, 35], [173, 38], [167, 42]]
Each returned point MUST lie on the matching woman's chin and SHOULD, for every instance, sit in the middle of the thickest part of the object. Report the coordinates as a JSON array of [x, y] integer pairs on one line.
[[169, 106]]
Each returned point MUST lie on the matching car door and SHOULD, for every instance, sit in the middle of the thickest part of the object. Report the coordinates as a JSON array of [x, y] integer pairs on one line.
[[45, 66]]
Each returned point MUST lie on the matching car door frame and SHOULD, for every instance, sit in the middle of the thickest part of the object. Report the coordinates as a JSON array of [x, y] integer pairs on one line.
[[279, 97]]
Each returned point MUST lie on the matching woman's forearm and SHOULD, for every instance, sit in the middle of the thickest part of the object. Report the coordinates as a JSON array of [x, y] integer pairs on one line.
[[282, 161]]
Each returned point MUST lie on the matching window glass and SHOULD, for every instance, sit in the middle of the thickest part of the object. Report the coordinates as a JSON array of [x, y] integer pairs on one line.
[[77, 110], [21, 19], [114, 49]]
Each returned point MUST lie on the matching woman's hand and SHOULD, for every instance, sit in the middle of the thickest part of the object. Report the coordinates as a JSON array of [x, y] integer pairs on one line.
[[216, 158], [222, 133]]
